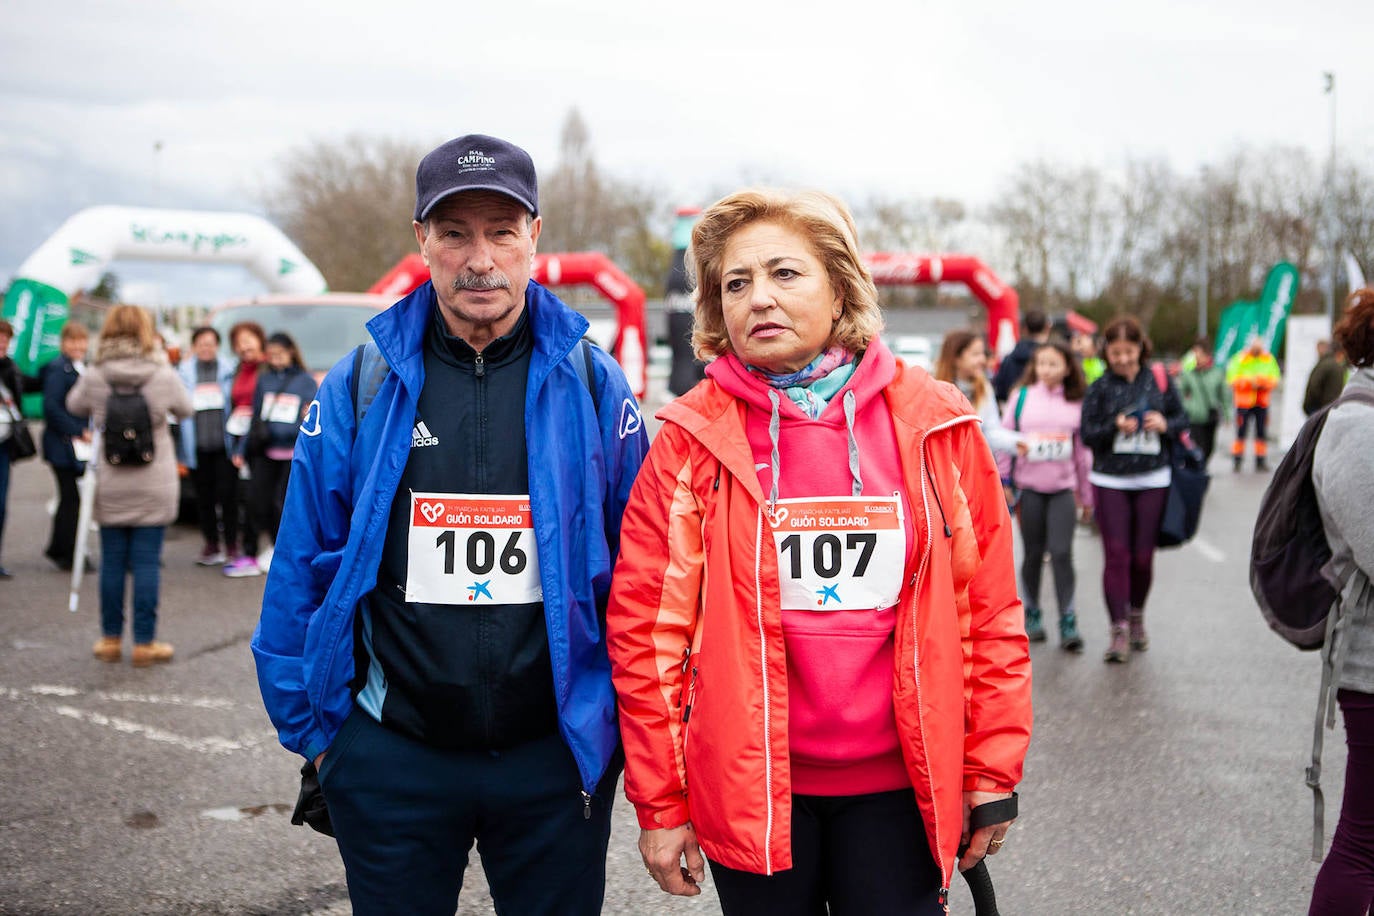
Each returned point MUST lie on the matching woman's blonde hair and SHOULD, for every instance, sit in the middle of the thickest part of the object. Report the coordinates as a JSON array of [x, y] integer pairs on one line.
[[129, 322], [824, 221]]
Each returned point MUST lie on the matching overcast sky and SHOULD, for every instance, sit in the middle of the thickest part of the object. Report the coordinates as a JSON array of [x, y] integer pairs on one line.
[[857, 97]]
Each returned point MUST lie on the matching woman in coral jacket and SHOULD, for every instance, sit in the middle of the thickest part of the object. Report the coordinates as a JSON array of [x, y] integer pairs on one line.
[[813, 625]]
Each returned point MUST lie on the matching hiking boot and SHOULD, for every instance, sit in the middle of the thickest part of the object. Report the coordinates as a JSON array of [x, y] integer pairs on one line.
[[1069, 640], [1236, 462], [242, 567], [1139, 641], [149, 653], [1035, 630], [108, 649], [1261, 464], [1120, 648], [211, 555]]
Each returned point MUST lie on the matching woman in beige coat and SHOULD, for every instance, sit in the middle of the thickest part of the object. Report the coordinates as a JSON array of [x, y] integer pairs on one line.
[[133, 502]]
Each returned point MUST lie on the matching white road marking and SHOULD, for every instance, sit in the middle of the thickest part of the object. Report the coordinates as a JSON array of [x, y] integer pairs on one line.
[[207, 745], [1208, 551], [211, 745]]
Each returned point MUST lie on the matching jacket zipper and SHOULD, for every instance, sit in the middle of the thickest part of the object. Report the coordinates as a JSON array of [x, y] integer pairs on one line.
[[767, 707], [916, 580]]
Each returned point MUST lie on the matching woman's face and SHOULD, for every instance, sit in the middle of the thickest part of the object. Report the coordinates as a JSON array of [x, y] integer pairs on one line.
[[972, 361], [1124, 357], [1050, 368], [278, 357], [74, 347], [247, 347], [778, 302], [204, 346]]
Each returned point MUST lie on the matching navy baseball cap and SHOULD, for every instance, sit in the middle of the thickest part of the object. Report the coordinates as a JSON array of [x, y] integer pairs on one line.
[[475, 162]]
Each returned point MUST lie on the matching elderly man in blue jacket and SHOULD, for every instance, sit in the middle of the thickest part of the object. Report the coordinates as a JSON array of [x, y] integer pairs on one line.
[[432, 632]]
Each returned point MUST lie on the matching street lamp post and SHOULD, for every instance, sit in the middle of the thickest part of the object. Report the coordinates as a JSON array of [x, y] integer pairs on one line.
[[1204, 257], [1331, 205]]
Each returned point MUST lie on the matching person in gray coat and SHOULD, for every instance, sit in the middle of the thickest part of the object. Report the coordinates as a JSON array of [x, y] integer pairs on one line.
[[1343, 474], [133, 504]]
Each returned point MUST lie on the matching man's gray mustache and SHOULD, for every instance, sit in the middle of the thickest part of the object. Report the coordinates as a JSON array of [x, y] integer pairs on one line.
[[481, 282]]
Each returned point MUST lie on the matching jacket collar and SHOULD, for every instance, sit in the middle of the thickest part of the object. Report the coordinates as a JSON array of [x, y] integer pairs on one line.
[[400, 332]]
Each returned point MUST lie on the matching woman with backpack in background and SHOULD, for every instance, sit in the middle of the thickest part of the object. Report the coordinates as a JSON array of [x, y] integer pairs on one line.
[[248, 339], [284, 391], [136, 499], [207, 376], [1050, 471], [1343, 477], [1130, 416], [963, 362]]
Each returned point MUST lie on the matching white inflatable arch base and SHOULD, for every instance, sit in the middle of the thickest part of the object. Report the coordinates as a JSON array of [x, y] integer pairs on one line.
[[75, 256]]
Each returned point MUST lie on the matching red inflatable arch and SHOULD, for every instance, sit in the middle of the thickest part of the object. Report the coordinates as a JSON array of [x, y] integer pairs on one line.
[[891, 268], [590, 267]]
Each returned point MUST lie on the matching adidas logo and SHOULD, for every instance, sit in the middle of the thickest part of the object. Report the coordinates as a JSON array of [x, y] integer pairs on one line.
[[420, 436]]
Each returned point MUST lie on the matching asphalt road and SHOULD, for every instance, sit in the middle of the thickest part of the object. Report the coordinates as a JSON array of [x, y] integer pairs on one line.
[[1173, 784]]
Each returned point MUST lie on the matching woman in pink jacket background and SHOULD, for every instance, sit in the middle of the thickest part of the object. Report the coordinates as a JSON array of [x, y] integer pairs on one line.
[[1051, 472]]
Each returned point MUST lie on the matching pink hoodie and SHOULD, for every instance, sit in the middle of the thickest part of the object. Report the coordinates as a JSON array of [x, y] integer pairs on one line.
[[841, 726], [1046, 415]]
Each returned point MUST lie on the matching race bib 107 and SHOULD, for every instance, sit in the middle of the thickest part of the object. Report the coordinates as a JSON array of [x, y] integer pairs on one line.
[[840, 553]]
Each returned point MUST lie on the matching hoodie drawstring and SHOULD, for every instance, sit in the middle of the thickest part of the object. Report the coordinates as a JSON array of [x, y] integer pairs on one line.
[[774, 428]]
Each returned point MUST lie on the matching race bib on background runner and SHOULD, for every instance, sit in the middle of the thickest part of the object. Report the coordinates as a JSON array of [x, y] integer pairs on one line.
[[1048, 446], [1142, 442], [468, 549], [207, 396], [239, 421], [281, 408], [841, 553]]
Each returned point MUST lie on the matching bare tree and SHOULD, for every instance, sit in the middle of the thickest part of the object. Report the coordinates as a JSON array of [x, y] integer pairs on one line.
[[586, 210], [348, 205]]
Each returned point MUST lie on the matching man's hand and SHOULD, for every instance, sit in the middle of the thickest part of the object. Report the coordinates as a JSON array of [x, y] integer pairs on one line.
[[663, 852], [319, 760], [986, 840]]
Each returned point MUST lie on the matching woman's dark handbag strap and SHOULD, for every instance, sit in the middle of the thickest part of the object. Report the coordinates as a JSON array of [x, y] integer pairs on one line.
[[979, 881]]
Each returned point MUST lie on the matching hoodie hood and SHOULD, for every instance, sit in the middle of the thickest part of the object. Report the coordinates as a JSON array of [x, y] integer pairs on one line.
[[122, 362], [872, 374]]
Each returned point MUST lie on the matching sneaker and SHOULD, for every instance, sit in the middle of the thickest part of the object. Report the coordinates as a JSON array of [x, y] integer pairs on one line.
[[150, 653], [1261, 465], [211, 555], [1120, 648], [1139, 641], [1236, 461], [5, 573], [1035, 630], [108, 649], [1069, 640], [265, 559], [242, 568]]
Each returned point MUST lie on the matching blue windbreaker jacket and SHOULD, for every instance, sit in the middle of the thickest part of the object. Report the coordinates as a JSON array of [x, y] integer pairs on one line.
[[583, 459]]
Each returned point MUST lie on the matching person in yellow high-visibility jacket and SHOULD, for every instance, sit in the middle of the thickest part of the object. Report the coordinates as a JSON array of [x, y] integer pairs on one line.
[[1252, 374]]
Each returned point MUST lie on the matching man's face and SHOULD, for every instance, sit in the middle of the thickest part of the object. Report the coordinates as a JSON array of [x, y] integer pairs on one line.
[[479, 247]]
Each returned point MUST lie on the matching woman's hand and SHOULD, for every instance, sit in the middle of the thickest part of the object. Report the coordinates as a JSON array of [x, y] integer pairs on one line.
[[1022, 448], [663, 852], [986, 840], [1126, 424], [236, 461], [1155, 422]]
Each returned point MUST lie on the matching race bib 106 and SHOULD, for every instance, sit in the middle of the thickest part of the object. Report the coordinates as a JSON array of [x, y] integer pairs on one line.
[[470, 549], [841, 553]]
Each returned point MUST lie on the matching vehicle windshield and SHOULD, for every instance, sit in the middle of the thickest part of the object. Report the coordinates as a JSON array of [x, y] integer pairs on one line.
[[323, 332]]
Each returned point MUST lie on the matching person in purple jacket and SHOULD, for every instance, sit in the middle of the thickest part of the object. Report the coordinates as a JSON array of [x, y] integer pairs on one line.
[[1051, 472]]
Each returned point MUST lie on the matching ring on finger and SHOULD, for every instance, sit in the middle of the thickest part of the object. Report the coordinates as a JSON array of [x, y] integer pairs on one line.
[[995, 844]]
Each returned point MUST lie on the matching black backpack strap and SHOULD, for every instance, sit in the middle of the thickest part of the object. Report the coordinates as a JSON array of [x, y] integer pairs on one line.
[[369, 371]]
